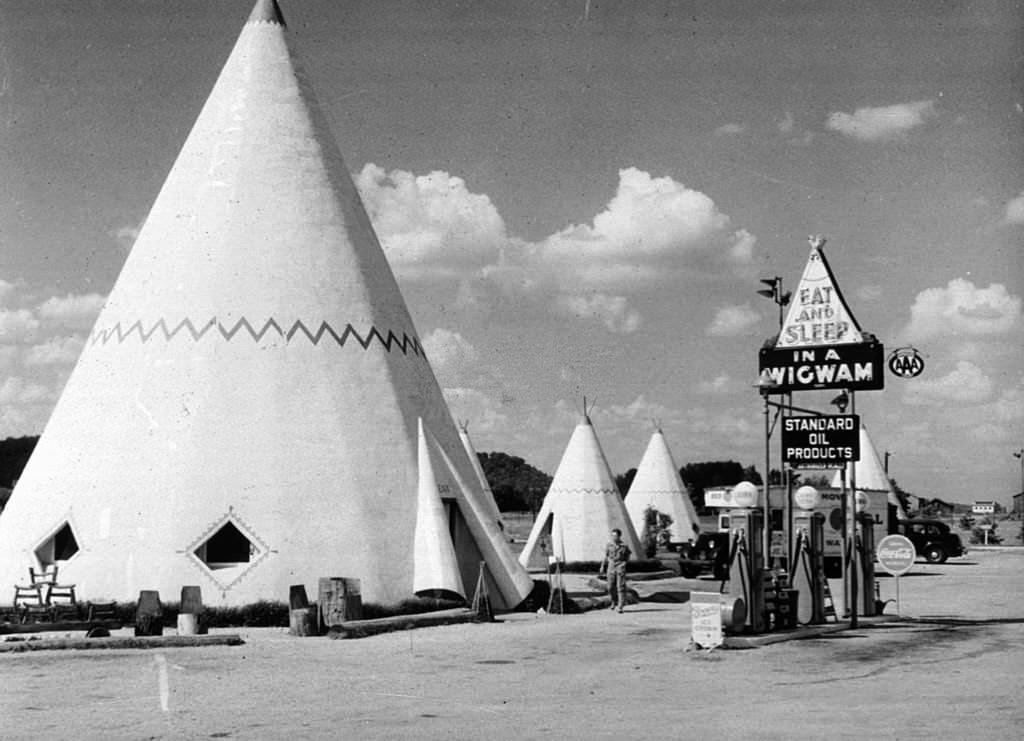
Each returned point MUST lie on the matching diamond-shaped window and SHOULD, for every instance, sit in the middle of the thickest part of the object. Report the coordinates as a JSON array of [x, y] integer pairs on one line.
[[227, 547], [61, 545], [228, 551]]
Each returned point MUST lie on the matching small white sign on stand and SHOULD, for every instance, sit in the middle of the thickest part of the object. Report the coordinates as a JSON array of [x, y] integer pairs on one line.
[[706, 611], [896, 554]]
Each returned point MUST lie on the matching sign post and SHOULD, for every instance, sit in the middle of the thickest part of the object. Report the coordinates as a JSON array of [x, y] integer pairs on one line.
[[895, 554], [820, 345]]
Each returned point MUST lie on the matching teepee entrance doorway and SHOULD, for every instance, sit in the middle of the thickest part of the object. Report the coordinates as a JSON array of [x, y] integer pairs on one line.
[[467, 554]]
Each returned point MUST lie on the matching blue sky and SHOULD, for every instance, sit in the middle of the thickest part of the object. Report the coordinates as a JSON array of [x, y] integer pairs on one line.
[[579, 198]]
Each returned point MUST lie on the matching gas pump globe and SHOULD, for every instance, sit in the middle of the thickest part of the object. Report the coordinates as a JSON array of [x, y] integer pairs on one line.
[[746, 564]]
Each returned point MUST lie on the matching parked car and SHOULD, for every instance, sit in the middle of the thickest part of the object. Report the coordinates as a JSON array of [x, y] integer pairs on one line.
[[708, 555], [932, 539]]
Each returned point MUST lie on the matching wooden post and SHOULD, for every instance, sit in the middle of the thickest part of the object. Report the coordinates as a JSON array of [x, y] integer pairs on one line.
[[149, 615], [339, 599], [191, 609], [301, 618]]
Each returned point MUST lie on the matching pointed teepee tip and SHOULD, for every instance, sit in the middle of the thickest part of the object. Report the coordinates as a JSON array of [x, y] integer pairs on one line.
[[267, 11]]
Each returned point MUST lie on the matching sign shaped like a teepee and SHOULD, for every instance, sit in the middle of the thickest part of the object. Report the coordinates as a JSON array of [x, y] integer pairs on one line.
[[821, 346], [818, 314]]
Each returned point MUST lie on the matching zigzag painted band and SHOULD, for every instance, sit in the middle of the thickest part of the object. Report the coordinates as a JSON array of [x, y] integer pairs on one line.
[[585, 491], [116, 333]]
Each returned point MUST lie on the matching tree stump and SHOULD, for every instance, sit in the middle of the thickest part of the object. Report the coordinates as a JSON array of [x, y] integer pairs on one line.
[[340, 599], [149, 615]]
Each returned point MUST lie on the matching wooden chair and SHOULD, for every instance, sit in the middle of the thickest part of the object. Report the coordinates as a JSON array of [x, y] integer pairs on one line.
[[45, 578], [29, 603], [62, 602], [102, 611]]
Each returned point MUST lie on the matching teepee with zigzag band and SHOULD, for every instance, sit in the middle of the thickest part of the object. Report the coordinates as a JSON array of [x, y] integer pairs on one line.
[[657, 484], [253, 408], [581, 507]]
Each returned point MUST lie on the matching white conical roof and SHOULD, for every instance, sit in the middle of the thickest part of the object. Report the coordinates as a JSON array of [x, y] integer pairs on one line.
[[583, 504], [868, 473], [467, 443], [657, 484], [244, 415]]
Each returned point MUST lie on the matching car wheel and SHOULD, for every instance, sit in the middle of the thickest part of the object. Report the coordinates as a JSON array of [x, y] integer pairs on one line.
[[689, 572], [934, 554]]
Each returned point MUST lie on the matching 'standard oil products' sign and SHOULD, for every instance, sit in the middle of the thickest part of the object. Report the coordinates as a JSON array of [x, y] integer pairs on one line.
[[855, 367], [828, 441]]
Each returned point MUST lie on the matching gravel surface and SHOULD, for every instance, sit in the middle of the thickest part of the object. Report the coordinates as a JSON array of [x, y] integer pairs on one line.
[[949, 668]]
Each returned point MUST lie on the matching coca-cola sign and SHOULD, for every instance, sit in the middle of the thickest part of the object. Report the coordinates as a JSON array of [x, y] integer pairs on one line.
[[895, 554]]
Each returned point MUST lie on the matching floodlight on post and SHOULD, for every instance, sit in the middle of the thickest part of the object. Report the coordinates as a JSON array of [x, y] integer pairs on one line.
[[775, 293]]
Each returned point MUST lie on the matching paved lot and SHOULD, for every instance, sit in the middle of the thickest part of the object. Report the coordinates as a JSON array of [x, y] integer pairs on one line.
[[952, 670]]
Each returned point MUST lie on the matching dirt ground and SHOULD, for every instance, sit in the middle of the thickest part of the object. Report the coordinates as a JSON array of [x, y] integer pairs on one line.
[[951, 669]]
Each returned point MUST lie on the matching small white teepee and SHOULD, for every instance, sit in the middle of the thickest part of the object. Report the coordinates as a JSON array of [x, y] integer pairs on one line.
[[582, 506], [657, 484], [869, 474]]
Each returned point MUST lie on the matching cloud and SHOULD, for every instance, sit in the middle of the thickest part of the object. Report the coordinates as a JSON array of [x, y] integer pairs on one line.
[[56, 351], [1014, 213], [125, 236], [787, 123], [430, 224], [732, 321], [869, 293], [962, 309], [720, 384], [6, 289], [78, 311], [16, 390], [451, 355], [484, 414], [652, 229], [639, 410], [17, 326], [730, 129], [612, 311], [881, 124], [966, 383]]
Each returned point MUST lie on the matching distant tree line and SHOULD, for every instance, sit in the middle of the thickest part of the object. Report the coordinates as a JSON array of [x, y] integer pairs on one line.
[[14, 454], [519, 487]]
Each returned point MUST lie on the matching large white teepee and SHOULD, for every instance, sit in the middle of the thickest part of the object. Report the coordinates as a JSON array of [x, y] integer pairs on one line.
[[245, 415], [657, 484], [581, 507], [869, 474]]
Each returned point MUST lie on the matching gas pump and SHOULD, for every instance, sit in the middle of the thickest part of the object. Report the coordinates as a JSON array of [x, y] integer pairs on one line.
[[808, 572], [746, 565], [866, 562]]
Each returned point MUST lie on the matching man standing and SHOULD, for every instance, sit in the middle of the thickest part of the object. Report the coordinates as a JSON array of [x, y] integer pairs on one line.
[[616, 553]]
